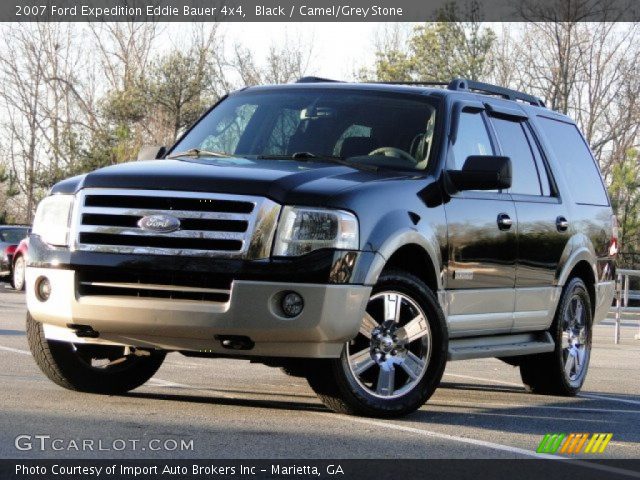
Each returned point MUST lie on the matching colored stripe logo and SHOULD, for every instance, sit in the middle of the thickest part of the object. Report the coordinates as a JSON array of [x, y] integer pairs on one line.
[[574, 443]]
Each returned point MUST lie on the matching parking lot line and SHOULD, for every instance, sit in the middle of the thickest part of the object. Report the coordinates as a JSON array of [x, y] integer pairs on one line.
[[443, 436], [592, 396], [528, 415], [15, 350], [607, 397], [482, 443], [488, 380], [540, 407]]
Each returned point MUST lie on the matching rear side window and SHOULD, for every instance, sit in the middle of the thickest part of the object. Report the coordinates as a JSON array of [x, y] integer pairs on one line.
[[515, 145], [578, 165]]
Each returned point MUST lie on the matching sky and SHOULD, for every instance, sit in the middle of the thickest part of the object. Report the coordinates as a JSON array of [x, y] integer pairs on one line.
[[339, 49]]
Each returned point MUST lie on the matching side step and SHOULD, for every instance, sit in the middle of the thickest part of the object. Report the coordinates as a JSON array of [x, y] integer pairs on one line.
[[500, 345]]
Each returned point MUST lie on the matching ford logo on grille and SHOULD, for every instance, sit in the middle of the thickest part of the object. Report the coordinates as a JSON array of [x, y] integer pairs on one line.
[[159, 223]]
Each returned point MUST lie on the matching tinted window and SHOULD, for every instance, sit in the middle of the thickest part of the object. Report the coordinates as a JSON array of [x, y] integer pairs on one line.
[[514, 144], [323, 122], [545, 183], [13, 235], [227, 133], [576, 161], [471, 139]]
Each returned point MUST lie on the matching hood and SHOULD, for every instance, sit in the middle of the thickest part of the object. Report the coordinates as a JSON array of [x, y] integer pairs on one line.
[[284, 181]]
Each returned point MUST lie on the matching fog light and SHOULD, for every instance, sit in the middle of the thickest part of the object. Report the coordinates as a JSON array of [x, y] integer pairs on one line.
[[292, 304], [43, 289]]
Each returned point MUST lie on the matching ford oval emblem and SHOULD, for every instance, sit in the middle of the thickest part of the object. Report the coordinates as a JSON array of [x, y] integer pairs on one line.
[[159, 223]]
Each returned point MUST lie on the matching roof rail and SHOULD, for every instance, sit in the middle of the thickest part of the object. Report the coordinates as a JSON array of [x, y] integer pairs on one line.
[[316, 80], [462, 84], [417, 84]]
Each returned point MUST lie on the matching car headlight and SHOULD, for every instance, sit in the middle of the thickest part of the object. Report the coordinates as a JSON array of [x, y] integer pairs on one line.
[[52, 219], [302, 230]]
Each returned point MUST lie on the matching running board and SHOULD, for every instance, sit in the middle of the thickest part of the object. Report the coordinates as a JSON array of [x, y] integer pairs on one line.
[[500, 346]]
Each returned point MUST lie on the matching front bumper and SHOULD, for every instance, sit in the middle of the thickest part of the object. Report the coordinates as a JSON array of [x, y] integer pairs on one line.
[[332, 315]]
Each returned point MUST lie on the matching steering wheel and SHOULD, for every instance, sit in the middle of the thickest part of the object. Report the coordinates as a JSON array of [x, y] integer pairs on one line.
[[393, 152]]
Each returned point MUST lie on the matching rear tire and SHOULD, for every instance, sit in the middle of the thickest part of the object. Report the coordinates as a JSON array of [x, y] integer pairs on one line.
[[70, 366], [17, 275], [396, 362], [563, 371]]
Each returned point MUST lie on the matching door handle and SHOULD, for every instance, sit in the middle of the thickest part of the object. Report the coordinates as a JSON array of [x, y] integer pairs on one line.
[[562, 224], [504, 221]]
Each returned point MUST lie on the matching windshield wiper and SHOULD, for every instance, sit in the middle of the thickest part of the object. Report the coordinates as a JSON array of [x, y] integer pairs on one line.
[[197, 153], [312, 156]]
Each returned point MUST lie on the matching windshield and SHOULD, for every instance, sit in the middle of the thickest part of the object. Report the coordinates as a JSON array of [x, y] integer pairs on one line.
[[12, 235], [380, 129]]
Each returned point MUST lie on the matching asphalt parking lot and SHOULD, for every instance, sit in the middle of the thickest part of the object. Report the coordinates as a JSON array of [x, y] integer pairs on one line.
[[234, 409]]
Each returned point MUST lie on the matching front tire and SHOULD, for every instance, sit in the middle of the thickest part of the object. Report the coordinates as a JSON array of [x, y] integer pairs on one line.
[[396, 361], [17, 276], [90, 368], [563, 371]]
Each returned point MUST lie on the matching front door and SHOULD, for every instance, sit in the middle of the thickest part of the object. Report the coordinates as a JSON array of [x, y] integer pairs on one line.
[[482, 242]]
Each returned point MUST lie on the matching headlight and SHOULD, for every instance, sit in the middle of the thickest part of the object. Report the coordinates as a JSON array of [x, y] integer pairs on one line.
[[302, 230], [52, 220]]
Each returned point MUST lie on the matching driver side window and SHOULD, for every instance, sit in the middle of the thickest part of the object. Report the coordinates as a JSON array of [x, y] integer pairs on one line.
[[472, 139]]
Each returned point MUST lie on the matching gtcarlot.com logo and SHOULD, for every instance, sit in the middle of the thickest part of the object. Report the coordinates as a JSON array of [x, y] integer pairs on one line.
[[47, 443], [574, 443]]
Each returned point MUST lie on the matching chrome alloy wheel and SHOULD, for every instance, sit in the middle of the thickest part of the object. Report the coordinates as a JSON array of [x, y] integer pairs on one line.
[[391, 353], [576, 340]]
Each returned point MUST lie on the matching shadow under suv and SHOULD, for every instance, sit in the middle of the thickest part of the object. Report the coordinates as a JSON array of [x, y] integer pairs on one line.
[[358, 235]]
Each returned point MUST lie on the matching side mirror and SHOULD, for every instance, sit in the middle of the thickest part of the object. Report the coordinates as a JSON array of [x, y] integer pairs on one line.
[[482, 172], [151, 152]]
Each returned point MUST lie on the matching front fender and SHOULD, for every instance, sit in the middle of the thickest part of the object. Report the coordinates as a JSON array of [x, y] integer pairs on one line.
[[399, 239]]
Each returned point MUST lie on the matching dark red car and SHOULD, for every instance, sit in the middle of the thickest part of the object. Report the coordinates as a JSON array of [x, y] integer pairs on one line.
[[10, 237], [19, 264]]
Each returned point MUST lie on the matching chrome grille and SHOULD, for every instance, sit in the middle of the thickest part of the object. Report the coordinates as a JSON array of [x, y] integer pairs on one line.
[[216, 225]]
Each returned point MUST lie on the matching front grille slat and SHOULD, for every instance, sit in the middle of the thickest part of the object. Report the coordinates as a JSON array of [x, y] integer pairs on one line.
[[215, 225], [124, 231], [186, 223], [176, 213], [170, 201], [116, 282]]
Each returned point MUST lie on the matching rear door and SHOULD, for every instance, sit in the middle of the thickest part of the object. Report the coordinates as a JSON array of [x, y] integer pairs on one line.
[[482, 240], [541, 216]]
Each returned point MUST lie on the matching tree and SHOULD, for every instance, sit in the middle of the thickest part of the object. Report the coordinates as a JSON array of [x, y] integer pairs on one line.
[[437, 51], [23, 86], [285, 62], [182, 84], [625, 198]]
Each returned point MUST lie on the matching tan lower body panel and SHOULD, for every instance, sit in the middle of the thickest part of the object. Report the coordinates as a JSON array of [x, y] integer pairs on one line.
[[331, 316]]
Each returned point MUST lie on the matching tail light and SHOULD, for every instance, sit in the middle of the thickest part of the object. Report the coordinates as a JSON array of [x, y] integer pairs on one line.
[[10, 250], [614, 244]]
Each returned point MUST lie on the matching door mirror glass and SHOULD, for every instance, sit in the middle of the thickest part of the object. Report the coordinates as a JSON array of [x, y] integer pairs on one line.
[[482, 172]]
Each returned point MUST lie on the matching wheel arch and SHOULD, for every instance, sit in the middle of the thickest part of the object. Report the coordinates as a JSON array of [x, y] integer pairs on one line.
[[579, 261], [585, 271], [412, 252]]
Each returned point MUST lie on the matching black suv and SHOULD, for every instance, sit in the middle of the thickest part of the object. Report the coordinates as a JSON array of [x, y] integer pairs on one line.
[[359, 235]]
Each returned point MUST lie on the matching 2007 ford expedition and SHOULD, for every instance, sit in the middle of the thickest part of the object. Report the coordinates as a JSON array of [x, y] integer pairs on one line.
[[358, 235]]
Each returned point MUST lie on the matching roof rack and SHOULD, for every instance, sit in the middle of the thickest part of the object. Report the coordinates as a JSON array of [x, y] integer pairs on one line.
[[462, 84], [457, 84]]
